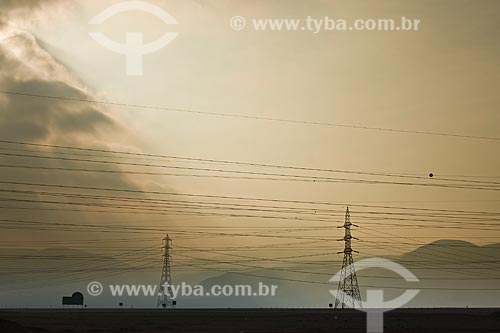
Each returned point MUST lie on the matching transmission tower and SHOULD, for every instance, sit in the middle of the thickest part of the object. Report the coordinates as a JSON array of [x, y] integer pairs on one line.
[[348, 295], [165, 290]]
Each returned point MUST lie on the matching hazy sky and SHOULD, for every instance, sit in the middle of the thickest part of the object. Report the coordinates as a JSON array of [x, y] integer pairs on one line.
[[443, 78]]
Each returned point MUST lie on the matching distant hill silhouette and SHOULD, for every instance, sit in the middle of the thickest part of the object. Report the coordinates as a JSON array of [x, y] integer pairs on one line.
[[443, 264]]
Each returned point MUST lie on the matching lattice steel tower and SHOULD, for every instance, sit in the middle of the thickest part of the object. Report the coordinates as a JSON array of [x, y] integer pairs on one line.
[[348, 283], [165, 296]]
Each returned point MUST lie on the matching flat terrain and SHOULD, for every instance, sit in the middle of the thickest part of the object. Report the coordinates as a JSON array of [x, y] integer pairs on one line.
[[244, 320]]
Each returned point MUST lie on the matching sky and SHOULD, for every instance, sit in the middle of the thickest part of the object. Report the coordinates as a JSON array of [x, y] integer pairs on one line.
[[443, 78]]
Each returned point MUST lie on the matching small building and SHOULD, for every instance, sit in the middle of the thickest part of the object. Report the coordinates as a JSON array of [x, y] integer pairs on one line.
[[75, 299]]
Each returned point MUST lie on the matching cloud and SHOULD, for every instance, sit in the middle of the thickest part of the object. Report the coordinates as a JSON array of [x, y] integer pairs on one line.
[[22, 10], [38, 119], [26, 67]]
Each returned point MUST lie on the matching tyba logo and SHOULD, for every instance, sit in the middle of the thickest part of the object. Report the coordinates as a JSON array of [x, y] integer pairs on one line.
[[134, 48]]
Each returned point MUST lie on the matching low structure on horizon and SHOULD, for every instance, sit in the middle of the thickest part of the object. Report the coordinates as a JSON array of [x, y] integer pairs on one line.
[[75, 299]]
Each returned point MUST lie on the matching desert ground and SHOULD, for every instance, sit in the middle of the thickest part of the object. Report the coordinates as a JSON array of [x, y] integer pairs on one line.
[[245, 320]]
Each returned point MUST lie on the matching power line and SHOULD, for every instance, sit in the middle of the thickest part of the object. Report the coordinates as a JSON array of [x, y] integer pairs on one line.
[[158, 211], [327, 283], [238, 198], [291, 177], [169, 203], [217, 205], [204, 160], [243, 116]]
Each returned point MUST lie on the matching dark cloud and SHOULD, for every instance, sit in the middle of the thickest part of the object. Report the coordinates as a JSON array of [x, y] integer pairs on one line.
[[22, 118], [31, 119]]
